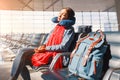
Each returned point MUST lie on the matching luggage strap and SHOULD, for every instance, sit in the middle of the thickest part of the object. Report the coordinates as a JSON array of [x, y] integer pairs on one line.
[[77, 45], [85, 58]]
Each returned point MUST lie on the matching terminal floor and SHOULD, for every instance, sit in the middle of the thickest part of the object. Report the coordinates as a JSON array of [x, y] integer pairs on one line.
[[5, 69]]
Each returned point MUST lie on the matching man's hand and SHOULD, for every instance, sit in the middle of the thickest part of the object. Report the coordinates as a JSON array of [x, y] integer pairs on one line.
[[40, 49]]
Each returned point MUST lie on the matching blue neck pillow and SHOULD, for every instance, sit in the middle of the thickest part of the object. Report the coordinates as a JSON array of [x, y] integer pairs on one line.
[[66, 23]]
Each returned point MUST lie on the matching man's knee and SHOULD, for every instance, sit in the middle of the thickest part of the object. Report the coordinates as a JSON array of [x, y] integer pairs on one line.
[[25, 52]]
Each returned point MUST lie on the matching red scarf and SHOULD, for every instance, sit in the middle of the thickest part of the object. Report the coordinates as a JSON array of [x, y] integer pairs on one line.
[[55, 38]]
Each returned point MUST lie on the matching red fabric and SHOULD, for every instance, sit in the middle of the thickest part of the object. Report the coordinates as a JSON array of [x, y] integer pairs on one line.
[[55, 38]]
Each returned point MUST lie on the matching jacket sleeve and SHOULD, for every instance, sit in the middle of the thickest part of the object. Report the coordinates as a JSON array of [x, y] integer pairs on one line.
[[64, 46], [46, 40]]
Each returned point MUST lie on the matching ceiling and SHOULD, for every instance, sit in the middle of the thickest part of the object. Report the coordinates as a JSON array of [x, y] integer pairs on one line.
[[53, 5]]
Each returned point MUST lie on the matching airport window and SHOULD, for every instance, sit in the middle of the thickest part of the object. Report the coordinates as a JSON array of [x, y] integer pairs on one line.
[[40, 21], [107, 21]]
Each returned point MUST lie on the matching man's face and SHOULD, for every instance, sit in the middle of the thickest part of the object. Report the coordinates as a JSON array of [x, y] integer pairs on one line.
[[62, 15]]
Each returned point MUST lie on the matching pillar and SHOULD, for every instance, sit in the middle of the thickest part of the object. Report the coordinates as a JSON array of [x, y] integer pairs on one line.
[[117, 5]]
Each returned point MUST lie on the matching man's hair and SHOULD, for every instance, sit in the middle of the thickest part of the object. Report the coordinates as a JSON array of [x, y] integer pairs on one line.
[[70, 12]]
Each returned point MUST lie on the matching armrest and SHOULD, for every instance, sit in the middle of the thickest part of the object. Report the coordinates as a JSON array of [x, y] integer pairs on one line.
[[50, 67], [112, 74], [108, 74], [56, 58]]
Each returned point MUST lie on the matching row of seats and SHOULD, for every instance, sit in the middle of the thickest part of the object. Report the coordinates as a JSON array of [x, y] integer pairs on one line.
[[17, 41], [113, 71], [82, 29]]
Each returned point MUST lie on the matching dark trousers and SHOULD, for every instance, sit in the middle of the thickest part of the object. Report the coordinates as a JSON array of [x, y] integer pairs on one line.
[[22, 59]]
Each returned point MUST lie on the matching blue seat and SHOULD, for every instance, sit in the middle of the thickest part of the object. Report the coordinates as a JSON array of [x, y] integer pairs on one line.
[[113, 73], [82, 29]]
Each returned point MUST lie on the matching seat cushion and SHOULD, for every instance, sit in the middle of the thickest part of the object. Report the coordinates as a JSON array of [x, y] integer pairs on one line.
[[114, 63], [115, 75]]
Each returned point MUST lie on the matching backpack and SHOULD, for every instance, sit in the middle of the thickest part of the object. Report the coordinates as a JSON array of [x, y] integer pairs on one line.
[[87, 57]]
